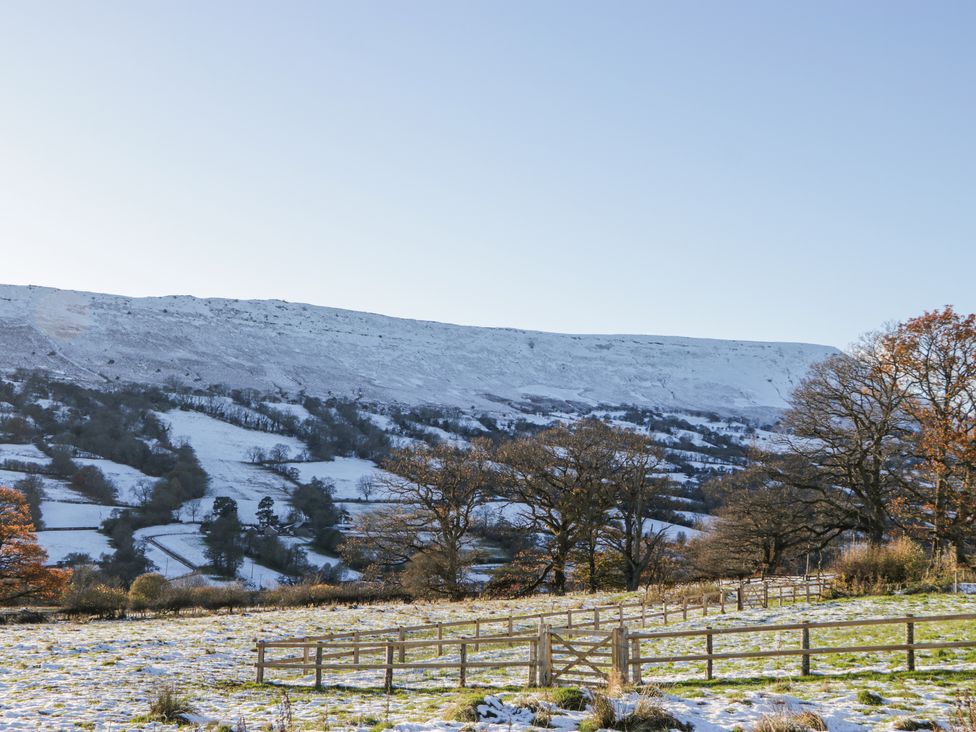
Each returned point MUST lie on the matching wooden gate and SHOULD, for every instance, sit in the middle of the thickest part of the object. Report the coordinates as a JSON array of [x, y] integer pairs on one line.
[[580, 658]]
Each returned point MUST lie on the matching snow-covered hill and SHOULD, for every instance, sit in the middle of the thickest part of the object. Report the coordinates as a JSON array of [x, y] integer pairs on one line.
[[282, 347]]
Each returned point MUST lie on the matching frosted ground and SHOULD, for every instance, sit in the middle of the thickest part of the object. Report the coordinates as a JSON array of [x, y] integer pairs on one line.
[[100, 675]]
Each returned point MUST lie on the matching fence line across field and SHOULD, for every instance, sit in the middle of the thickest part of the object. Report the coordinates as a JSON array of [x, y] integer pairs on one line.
[[632, 668], [534, 651]]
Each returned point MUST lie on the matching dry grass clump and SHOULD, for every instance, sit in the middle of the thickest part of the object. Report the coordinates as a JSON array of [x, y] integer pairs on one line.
[[169, 705], [787, 721], [649, 715], [867, 569], [964, 714], [914, 724], [465, 708]]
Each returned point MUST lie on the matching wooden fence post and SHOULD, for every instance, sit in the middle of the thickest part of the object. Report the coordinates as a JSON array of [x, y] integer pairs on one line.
[[620, 613], [721, 601], [738, 596], [511, 627], [765, 596], [477, 634], [596, 618], [643, 613], [402, 653], [260, 677], [805, 645], [684, 610], [569, 618], [635, 654], [665, 612], [388, 682], [545, 656], [355, 651], [708, 650], [533, 663], [318, 667], [464, 662], [704, 604], [440, 637], [910, 641], [619, 653]]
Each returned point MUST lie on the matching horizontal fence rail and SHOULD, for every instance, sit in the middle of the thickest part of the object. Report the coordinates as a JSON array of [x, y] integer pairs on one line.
[[636, 661], [549, 647]]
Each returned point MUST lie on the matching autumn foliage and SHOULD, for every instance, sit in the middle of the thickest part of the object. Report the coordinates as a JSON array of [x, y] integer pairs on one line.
[[23, 576], [937, 356]]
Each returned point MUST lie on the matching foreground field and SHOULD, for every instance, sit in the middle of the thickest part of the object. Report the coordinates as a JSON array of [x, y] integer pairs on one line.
[[101, 675]]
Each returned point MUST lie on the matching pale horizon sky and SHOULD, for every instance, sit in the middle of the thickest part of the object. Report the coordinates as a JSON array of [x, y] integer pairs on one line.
[[754, 170]]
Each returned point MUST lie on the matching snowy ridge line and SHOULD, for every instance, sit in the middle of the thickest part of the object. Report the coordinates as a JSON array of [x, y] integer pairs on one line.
[[288, 348]]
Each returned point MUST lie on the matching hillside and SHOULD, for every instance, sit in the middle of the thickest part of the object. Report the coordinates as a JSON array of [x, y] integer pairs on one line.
[[333, 391], [287, 348]]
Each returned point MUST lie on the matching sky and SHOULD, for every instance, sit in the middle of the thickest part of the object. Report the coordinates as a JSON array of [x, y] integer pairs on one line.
[[801, 171]]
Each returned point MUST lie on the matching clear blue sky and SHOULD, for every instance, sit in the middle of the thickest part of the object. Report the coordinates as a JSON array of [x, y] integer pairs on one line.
[[762, 170]]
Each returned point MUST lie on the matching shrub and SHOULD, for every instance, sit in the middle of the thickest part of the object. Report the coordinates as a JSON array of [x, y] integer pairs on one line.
[[301, 595], [866, 568], [147, 590], [215, 597], [94, 598], [309, 594]]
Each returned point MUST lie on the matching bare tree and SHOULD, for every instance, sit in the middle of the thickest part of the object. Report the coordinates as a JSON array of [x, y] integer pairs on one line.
[[848, 438], [761, 525], [559, 478], [438, 489], [637, 487], [366, 485]]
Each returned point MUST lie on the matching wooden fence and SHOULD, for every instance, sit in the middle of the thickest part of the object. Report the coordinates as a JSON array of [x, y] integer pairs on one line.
[[633, 663], [560, 646], [777, 590]]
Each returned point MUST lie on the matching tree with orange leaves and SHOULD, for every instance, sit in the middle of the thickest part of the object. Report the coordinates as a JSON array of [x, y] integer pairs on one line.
[[936, 353], [23, 576]]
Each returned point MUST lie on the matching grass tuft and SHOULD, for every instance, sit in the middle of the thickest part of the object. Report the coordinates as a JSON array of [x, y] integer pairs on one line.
[[465, 708], [787, 721], [569, 698], [169, 705], [869, 698]]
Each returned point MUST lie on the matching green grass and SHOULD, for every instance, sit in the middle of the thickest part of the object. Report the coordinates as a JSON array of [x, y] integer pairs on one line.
[[946, 677]]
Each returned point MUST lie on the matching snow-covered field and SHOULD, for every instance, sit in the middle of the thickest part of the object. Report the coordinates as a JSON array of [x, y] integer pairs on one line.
[[60, 515], [59, 544], [222, 450], [131, 485], [345, 473], [101, 675]]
